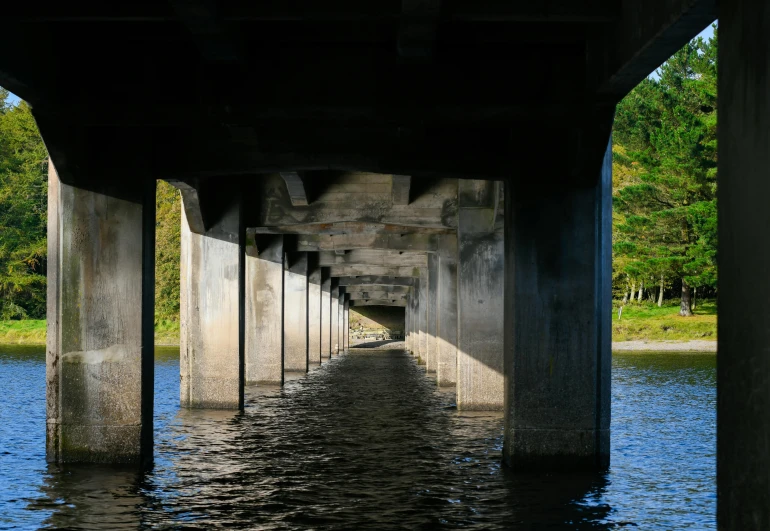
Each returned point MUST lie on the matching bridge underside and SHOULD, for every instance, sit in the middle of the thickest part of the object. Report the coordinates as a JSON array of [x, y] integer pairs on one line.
[[449, 157]]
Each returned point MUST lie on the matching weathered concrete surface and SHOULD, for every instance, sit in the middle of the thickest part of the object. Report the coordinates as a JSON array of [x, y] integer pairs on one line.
[[314, 313], [264, 310], [350, 282], [352, 290], [743, 370], [387, 295], [422, 318], [335, 317], [432, 330], [480, 281], [446, 366], [378, 302], [295, 313], [408, 325], [396, 242], [99, 354], [210, 355], [346, 324], [557, 332], [326, 313], [374, 257], [369, 270], [341, 323]]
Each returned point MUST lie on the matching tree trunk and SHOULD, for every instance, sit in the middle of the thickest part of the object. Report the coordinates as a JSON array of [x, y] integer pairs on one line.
[[633, 290], [685, 307], [660, 294], [694, 296], [641, 291]]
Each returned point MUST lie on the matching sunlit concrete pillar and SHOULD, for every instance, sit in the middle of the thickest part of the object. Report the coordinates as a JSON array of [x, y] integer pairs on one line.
[[335, 318], [314, 311], [446, 367], [557, 317], [743, 369], [264, 310], [295, 313], [326, 313], [422, 317], [480, 280], [99, 355], [408, 324], [346, 323], [341, 323], [210, 354], [432, 314]]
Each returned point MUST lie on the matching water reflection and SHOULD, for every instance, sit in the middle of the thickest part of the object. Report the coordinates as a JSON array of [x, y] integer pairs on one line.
[[367, 442]]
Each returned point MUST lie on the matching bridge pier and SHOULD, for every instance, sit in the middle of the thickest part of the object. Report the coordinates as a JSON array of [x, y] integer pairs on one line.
[[326, 314], [446, 368], [432, 317], [211, 356], [480, 280], [422, 317], [743, 370], [295, 312], [100, 355], [314, 311], [264, 310], [557, 323], [346, 323], [335, 317], [340, 323]]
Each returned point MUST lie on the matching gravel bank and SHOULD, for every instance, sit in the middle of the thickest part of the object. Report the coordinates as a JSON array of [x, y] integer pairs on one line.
[[665, 346]]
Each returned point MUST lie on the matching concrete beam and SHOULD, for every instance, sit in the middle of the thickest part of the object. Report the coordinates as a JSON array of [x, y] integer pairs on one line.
[[377, 295], [343, 228], [394, 242], [362, 288], [365, 280], [360, 271], [295, 188], [374, 257], [375, 302], [400, 189], [647, 34]]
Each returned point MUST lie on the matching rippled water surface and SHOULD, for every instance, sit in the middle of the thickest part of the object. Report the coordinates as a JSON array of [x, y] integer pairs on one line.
[[366, 442]]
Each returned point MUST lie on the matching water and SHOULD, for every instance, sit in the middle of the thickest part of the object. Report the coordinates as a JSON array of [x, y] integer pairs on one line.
[[366, 442]]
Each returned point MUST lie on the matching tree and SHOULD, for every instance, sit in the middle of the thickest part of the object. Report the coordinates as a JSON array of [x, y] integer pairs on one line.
[[667, 126]]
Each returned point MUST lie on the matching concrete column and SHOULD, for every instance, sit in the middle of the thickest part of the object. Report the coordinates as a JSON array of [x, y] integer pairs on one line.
[[557, 321], [432, 314], [210, 353], [422, 317], [335, 319], [446, 367], [264, 310], [341, 324], [480, 280], [408, 322], [295, 313], [99, 356], [326, 313], [314, 311], [346, 324], [743, 370]]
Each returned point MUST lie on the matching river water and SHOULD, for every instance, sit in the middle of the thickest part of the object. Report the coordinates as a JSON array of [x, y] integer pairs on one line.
[[366, 442]]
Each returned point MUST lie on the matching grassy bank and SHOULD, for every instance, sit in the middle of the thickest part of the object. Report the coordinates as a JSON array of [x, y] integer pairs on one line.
[[32, 332], [640, 321], [645, 321]]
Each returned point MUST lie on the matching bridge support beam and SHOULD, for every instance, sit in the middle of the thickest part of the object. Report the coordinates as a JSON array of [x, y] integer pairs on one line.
[[264, 310], [314, 311], [432, 329], [446, 368], [211, 302], [557, 322], [99, 360], [481, 265], [326, 314], [335, 317], [743, 371], [295, 313]]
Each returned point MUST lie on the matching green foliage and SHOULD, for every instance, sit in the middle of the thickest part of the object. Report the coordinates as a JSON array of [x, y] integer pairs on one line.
[[23, 208], [167, 247], [665, 154]]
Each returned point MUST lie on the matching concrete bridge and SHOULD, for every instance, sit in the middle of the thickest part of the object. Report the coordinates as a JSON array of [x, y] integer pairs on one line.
[[455, 150]]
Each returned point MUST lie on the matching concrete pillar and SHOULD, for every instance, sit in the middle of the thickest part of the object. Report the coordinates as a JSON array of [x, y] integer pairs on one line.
[[480, 280], [422, 317], [432, 314], [264, 309], [326, 313], [408, 322], [446, 367], [335, 319], [295, 313], [341, 324], [314, 311], [211, 301], [557, 320], [346, 323], [743, 370], [99, 356]]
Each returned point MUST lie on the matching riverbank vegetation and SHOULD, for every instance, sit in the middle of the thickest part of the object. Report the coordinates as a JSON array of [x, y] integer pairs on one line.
[[664, 217]]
